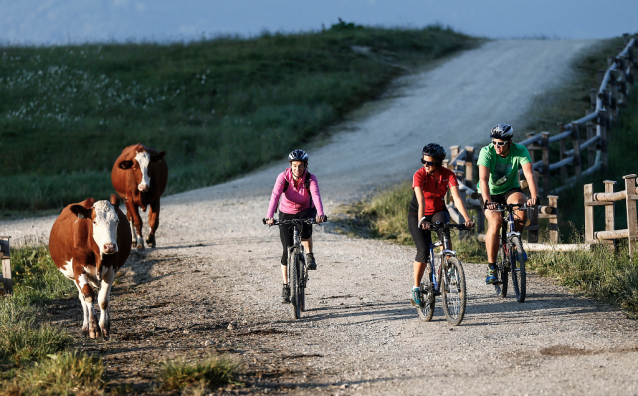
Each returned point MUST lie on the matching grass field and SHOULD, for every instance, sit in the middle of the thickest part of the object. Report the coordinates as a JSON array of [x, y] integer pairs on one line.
[[219, 108]]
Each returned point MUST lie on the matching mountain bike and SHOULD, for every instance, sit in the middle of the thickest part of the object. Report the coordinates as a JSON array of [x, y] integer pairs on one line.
[[445, 277], [511, 255], [297, 270]]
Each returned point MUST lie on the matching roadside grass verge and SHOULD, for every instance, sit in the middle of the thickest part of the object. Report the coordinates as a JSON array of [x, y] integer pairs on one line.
[[199, 377], [219, 108], [35, 356], [601, 273]]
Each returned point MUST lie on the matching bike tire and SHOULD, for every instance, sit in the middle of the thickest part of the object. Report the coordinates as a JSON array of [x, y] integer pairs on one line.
[[427, 295], [519, 276], [293, 270], [502, 266], [303, 278], [453, 291]]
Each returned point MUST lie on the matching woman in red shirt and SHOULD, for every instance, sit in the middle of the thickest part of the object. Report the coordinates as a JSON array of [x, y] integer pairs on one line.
[[430, 184]]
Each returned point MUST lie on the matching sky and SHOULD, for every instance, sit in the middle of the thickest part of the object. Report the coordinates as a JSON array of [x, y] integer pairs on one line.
[[38, 22]]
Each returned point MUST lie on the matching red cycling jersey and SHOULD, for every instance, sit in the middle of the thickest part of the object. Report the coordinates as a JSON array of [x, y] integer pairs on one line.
[[434, 187]]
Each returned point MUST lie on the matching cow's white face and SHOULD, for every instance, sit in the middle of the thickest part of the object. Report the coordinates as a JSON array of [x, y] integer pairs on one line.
[[143, 159], [105, 223]]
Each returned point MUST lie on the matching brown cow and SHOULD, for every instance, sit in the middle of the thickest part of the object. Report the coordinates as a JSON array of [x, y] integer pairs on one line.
[[139, 175], [89, 242]]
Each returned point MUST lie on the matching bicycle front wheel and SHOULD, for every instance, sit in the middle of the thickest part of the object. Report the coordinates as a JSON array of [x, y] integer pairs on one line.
[[519, 277], [303, 278], [453, 292], [426, 310], [502, 266], [293, 281]]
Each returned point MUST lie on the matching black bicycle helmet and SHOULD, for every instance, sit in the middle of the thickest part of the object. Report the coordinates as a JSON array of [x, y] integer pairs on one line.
[[435, 151], [298, 155], [502, 131]]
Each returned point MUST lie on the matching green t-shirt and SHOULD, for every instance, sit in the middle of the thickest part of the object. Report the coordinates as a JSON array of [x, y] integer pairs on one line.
[[503, 171]]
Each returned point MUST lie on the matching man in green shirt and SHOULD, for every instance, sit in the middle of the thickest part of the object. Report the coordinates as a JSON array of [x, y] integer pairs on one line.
[[498, 170]]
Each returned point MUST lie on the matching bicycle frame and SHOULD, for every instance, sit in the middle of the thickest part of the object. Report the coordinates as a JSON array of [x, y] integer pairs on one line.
[[444, 240]]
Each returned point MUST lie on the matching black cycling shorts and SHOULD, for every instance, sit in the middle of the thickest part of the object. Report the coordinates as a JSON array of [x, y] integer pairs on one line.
[[501, 198], [423, 238], [286, 231]]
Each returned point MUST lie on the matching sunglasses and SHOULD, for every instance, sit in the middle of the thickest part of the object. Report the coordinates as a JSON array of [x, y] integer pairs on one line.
[[499, 144], [427, 163]]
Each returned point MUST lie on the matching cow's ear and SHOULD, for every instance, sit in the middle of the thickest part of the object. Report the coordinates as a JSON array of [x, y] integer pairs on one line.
[[115, 201], [126, 164], [158, 157], [81, 212]]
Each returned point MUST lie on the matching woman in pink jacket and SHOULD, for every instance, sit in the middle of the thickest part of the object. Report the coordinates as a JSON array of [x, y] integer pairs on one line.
[[299, 200]]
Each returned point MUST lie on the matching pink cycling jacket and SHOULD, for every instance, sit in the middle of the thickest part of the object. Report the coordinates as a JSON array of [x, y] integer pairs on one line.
[[296, 198]]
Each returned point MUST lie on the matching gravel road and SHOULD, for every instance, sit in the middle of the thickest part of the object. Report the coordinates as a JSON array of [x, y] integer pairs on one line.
[[213, 283]]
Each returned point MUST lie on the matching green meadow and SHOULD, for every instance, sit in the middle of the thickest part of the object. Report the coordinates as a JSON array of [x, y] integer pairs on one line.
[[218, 107]]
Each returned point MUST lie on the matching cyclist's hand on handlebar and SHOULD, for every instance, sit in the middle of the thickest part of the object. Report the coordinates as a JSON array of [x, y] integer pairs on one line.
[[468, 224], [491, 205], [533, 201], [424, 224], [270, 221], [320, 219]]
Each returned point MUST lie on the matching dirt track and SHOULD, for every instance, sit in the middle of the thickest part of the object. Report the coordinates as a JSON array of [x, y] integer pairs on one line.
[[216, 265]]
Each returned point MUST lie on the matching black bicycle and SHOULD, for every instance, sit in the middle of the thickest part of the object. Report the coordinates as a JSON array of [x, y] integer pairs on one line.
[[511, 255], [445, 277], [297, 270]]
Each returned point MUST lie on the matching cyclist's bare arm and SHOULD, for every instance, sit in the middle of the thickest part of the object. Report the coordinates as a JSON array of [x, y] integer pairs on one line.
[[528, 171], [484, 177], [460, 205], [418, 191]]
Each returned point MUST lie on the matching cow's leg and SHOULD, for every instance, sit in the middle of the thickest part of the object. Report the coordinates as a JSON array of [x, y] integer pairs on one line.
[[153, 222], [103, 301], [86, 298], [131, 208], [85, 312]]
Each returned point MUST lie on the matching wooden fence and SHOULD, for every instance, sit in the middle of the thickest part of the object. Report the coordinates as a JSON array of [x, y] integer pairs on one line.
[[588, 134], [5, 255], [607, 199]]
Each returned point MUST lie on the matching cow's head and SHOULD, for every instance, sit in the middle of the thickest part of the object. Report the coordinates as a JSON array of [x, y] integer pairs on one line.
[[140, 166], [105, 221]]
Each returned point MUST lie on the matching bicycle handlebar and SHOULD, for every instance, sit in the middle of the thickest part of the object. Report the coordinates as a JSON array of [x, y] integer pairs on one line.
[[511, 207], [295, 221], [441, 226]]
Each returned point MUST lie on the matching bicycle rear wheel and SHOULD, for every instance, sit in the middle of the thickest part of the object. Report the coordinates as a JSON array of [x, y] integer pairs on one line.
[[426, 310], [293, 281], [517, 260], [453, 291], [502, 265]]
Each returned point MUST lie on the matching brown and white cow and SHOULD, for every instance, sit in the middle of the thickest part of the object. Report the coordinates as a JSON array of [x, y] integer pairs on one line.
[[89, 242], [139, 175]]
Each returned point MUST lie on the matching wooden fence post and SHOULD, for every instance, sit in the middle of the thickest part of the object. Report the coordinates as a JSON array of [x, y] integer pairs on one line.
[[545, 169], [589, 213], [632, 217], [454, 151], [591, 150], [5, 255], [553, 221], [610, 210], [613, 88], [601, 130], [469, 167], [576, 141]]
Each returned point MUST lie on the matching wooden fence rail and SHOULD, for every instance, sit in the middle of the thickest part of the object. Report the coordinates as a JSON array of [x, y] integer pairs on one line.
[[607, 199]]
